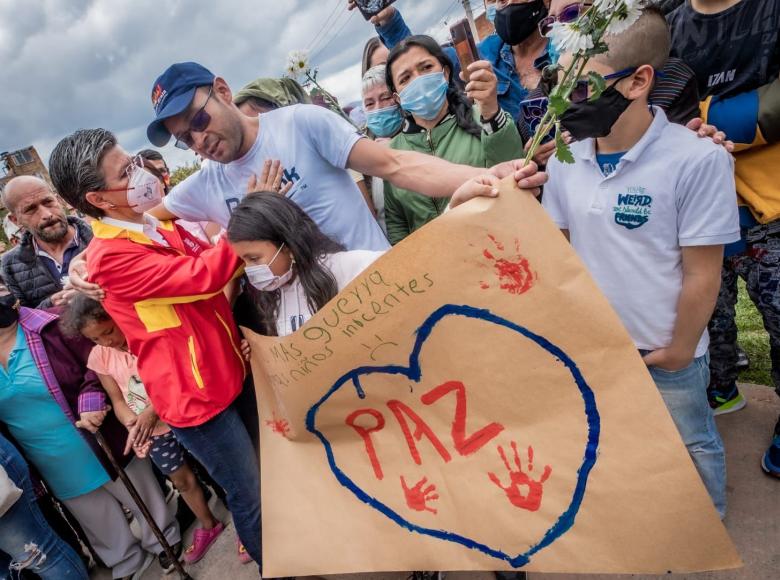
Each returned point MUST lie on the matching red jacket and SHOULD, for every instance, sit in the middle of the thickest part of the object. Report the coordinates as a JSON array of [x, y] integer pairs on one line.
[[168, 301]]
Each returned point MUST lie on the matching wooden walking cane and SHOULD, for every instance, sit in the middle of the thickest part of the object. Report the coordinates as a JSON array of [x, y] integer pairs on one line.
[[144, 510]]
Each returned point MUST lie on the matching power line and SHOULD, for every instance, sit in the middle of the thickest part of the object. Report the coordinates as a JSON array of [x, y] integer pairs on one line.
[[332, 38], [337, 23], [317, 37]]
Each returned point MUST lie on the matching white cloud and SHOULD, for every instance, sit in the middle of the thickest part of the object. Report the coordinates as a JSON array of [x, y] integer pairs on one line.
[[71, 64]]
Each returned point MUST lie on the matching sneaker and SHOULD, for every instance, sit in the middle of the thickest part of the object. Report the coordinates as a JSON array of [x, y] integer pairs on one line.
[[166, 563], [243, 555], [770, 462], [726, 401], [743, 362], [201, 543]]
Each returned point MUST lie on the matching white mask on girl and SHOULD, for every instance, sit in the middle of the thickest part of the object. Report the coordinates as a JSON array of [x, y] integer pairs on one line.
[[261, 277]]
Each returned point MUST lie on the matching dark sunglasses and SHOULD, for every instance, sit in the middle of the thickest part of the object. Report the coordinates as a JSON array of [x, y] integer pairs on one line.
[[580, 92], [199, 123], [568, 14]]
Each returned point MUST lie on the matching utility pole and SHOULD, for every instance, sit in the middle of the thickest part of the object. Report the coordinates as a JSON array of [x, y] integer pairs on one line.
[[470, 18]]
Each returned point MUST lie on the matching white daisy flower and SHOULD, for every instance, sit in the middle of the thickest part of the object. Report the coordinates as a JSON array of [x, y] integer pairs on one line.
[[621, 23], [568, 38], [297, 62]]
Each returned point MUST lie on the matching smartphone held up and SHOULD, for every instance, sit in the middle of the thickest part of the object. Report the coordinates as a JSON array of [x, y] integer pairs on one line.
[[370, 8], [465, 47]]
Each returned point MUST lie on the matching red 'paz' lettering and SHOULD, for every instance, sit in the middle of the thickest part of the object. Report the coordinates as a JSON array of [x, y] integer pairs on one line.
[[464, 444], [421, 428], [366, 435]]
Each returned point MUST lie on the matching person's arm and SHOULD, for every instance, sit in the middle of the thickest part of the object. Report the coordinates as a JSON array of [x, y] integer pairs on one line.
[[750, 119], [503, 143], [79, 277], [162, 213], [500, 138], [701, 267], [360, 181], [430, 175], [125, 415], [390, 26], [391, 29], [395, 220], [137, 274]]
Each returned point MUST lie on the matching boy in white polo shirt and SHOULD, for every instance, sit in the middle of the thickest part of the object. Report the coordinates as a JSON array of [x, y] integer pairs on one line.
[[648, 207]]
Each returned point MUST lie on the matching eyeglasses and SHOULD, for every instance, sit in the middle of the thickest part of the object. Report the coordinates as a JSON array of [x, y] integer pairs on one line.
[[199, 123], [135, 164], [581, 91], [568, 14]]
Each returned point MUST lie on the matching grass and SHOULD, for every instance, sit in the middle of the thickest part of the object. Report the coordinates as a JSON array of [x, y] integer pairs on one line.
[[753, 339]]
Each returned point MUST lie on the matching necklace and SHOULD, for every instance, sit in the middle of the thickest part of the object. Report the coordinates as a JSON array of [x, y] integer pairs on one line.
[[296, 320]]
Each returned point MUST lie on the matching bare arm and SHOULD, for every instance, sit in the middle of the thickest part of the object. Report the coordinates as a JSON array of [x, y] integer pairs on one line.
[[430, 175], [162, 214], [700, 286], [366, 196], [121, 410]]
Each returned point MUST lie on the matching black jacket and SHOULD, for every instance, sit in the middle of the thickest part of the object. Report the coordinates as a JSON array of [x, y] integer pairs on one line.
[[27, 277]]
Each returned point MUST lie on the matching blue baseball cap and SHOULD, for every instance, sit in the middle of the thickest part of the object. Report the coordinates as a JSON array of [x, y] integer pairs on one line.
[[172, 93]]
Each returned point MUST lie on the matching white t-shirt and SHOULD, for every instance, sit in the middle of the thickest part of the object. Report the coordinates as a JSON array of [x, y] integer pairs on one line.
[[672, 189], [313, 145], [293, 307]]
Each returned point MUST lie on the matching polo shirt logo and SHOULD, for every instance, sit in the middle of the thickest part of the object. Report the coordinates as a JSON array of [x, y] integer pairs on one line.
[[633, 208]]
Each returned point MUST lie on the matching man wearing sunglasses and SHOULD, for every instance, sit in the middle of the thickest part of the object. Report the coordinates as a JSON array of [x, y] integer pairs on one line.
[[314, 145]]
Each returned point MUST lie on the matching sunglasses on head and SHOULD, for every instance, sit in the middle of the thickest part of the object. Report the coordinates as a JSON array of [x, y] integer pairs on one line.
[[199, 123], [580, 93], [568, 14]]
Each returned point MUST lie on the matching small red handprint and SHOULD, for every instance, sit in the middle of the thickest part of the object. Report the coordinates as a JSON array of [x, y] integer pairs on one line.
[[514, 272], [417, 497], [533, 498], [280, 426]]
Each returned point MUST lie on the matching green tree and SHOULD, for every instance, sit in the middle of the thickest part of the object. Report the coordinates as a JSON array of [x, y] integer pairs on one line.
[[183, 172]]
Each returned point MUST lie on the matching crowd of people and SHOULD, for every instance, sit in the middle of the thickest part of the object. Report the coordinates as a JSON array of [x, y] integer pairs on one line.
[[120, 314]]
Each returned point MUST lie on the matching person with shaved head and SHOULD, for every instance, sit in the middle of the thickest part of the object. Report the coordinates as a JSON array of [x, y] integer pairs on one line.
[[36, 270]]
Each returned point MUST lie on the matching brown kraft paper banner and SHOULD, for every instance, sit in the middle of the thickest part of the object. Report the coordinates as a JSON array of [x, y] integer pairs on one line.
[[472, 402]]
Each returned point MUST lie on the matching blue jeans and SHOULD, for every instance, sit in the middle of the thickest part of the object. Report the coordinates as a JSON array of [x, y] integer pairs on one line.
[[26, 536], [225, 449], [685, 395]]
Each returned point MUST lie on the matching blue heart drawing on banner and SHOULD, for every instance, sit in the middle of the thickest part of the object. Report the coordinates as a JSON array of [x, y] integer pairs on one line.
[[414, 373]]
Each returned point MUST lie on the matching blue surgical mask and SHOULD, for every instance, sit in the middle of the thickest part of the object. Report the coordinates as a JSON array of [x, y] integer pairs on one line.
[[425, 95], [385, 122], [553, 52], [490, 12]]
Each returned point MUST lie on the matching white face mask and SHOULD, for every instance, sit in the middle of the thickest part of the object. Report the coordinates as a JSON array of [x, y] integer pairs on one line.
[[144, 191], [262, 278]]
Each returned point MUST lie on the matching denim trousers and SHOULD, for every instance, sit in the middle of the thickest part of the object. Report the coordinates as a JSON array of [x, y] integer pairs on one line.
[[25, 535], [225, 449], [685, 395]]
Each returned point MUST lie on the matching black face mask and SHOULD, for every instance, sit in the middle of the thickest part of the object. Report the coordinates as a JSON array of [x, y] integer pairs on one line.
[[595, 119], [8, 314], [517, 22]]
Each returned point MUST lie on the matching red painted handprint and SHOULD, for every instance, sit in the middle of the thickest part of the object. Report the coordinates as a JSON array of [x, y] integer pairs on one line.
[[417, 497], [517, 479], [514, 272], [280, 426]]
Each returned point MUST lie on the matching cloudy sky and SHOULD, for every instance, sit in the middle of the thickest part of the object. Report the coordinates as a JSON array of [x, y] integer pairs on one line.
[[70, 64]]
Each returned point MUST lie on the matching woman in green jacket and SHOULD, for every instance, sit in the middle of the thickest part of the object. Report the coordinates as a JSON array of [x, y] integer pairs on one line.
[[440, 120]]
